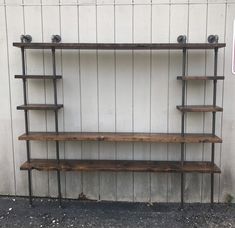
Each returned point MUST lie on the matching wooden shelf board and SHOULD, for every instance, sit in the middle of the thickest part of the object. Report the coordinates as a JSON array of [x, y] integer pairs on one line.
[[120, 46], [39, 107], [38, 76], [199, 108], [200, 78], [120, 165], [122, 137]]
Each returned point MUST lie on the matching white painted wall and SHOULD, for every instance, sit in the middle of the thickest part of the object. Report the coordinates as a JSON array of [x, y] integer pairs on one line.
[[116, 91]]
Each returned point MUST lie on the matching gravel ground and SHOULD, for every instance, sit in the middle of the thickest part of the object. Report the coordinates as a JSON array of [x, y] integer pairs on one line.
[[15, 212]]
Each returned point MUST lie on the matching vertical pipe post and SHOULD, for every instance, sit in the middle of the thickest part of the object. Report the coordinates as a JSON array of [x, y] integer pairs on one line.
[[26, 124], [183, 124], [213, 121], [56, 123]]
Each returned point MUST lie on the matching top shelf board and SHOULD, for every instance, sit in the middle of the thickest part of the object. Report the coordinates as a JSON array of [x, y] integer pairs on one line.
[[119, 46]]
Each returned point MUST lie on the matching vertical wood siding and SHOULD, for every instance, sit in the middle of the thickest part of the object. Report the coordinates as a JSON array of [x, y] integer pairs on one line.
[[127, 91]]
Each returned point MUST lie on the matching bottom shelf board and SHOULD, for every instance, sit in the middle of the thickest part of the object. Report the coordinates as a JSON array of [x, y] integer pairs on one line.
[[122, 137], [120, 165]]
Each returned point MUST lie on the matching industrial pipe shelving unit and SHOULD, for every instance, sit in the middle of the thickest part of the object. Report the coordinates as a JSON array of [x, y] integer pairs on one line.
[[180, 167]]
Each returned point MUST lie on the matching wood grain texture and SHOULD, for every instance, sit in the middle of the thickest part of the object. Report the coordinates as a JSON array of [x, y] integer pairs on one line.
[[121, 137], [120, 165], [199, 108], [200, 78], [38, 76], [39, 107], [123, 46]]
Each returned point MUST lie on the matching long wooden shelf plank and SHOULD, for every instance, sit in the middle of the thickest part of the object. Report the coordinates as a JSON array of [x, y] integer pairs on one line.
[[120, 165], [200, 78], [39, 107], [199, 108], [122, 137], [38, 76], [120, 46]]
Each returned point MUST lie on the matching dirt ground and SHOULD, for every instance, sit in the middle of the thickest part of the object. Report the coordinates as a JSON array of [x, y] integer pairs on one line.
[[15, 212]]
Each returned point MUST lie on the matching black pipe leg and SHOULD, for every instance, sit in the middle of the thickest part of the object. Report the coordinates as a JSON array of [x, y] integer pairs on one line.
[[212, 188], [59, 189], [56, 124], [182, 191], [30, 188]]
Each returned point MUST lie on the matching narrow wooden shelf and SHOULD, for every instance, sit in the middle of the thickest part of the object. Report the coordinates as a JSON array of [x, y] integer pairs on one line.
[[119, 46], [121, 165], [39, 107], [38, 76], [122, 137], [199, 108], [200, 78]]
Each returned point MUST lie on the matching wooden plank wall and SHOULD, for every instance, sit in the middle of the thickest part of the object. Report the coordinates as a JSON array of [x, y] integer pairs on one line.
[[116, 91]]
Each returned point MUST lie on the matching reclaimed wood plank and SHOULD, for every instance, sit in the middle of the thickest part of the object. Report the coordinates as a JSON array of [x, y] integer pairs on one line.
[[119, 46], [120, 165], [199, 108], [39, 107], [122, 137], [38, 76], [198, 78]]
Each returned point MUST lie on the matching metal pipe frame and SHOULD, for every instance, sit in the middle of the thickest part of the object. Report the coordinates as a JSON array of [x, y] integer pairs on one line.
[[56, 123], [26, 124], [183, 124], [213, 121]]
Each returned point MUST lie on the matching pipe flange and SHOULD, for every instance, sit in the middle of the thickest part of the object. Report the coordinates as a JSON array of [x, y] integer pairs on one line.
[[26, 38], [182, 39], [213, 39]]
